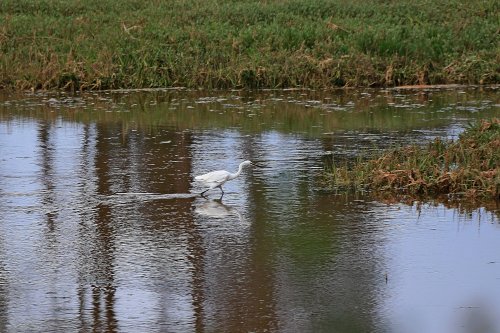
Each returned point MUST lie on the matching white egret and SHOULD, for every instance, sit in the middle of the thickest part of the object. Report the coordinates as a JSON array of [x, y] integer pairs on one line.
[[218, 178]]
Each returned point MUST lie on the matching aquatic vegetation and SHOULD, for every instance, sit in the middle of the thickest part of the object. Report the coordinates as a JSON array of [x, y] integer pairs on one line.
[[88, 45], [468, 167]]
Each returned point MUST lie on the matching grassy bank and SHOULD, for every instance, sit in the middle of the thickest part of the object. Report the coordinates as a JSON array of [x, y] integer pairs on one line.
[[102, 44], [468, 167]]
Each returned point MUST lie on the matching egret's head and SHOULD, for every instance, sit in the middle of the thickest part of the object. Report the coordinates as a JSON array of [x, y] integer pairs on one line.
[[244, 164]]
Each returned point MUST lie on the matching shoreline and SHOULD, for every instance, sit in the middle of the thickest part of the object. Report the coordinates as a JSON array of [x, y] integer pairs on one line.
[[166, 89]]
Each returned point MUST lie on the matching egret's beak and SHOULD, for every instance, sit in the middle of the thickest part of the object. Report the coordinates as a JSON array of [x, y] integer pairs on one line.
[[257, 165]]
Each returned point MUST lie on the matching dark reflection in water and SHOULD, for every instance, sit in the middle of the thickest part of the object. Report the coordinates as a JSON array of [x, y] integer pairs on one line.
[[102, 228]]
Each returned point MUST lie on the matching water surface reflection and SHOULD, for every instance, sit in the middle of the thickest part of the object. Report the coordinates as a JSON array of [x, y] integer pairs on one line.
[[102, 227]]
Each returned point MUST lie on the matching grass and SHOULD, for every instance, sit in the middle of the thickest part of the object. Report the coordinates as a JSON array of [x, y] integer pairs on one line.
[[468, 167], [85, 45]]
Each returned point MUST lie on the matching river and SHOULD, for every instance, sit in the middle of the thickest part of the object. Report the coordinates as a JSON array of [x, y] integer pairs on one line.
[[102, 227]]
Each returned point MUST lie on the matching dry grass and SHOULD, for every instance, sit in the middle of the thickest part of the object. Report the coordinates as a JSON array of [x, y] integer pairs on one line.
[[468, 167]]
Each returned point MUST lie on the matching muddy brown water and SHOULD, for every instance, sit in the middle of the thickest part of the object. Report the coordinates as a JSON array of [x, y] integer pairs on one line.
[[102, 228]]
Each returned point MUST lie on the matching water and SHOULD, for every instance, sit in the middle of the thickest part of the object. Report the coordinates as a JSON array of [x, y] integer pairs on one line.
[[102, 229]]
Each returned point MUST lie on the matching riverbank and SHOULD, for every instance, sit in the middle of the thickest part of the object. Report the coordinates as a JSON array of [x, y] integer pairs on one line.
[[466, 168], [321, 44]]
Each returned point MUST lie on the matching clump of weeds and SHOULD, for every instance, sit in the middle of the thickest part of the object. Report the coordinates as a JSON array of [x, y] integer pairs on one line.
[[466, 168]]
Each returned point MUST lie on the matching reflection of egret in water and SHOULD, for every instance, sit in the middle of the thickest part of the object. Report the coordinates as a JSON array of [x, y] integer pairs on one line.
[[216, 209]]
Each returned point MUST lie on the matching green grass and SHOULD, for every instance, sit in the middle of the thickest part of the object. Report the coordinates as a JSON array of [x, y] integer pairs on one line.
[[70, 44], [468, 167]]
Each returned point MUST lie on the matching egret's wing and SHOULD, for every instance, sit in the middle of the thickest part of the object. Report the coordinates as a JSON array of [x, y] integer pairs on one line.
[[214, 177]]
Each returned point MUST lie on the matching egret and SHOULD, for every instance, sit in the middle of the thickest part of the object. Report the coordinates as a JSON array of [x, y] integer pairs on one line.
[[218, 178]]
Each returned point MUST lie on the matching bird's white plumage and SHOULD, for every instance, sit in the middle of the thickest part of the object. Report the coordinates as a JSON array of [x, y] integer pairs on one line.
[[214, 178], [218, 178]]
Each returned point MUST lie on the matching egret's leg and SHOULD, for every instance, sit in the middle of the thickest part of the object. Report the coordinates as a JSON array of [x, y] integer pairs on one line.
[[204, 192], [220, 186]]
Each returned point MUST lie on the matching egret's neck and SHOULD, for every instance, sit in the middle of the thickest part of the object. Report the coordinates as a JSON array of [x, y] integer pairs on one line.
[[234, 175]]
